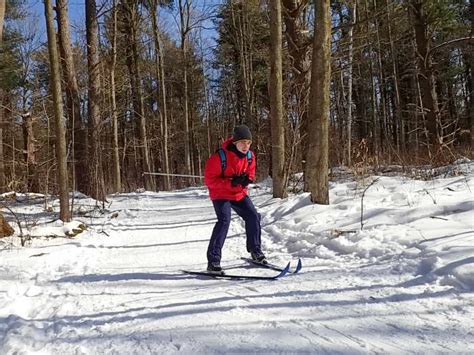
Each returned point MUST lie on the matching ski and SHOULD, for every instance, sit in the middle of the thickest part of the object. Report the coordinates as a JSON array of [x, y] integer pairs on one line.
[[273, 266], [282, 273]]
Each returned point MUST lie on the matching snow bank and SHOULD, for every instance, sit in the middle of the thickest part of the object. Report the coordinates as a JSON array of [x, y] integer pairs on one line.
[[416, 223]]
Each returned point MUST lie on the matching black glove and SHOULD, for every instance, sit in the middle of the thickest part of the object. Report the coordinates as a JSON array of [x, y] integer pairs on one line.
[[242, 179]]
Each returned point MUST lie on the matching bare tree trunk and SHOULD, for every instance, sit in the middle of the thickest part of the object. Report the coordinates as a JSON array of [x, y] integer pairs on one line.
[[317, 165], [276, 101], [132, 17], [470, 93], [58, 114], [30, 153], [383, 132], [353, 12], [400, 131], [295, 28], [160, 75], [242, 31], [13, 162], [3, 178], [116, 155], [92, 34], [184, 15], [79, 155], [2, 110], [375, 123], [426, 78], [2, 17]]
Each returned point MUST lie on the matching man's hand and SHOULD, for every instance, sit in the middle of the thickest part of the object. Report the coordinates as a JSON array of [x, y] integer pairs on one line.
[[242, 179]]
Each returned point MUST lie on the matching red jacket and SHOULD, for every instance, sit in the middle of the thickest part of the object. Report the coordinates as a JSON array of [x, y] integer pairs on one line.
[[220, 188]]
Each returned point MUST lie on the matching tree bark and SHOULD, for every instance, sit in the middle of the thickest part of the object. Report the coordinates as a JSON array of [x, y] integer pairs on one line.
[[116, 154], [58, 114], [160, 75], [399, 124], [375, 123], [184, 29], [131, 7], [92, 34], [295, 26], [3, 178], [383, 132], [2, 110], [2, 17], [276, 101], [317, 165], [30, 153], [353, 11], [242, 30], [426, 77], [470, 97], [79, 155]]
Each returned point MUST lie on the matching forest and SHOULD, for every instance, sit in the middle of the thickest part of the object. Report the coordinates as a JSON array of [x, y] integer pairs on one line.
[[101, 103]]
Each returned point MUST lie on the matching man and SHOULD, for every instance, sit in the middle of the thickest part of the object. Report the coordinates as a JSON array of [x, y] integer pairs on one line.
[[227, 183]]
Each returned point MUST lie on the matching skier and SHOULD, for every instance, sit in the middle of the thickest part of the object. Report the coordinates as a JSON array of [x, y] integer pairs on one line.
[[227, 175]]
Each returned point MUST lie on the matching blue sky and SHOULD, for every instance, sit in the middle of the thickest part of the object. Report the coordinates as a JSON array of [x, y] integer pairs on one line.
[[77, 14], [76, 8]]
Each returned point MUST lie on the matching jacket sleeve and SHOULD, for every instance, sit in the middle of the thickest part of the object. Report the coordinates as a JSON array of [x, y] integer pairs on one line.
[[213, 178]]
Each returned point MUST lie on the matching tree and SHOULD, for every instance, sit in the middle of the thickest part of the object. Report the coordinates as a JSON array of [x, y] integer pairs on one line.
[[352, 10], [276, 101], [298, 43], [113, 99], [242, 61], [2, 17], [426, 77], [131, 21], [97, 189], [81, 176], [162, 97], [184, 20], [317, 166], [5, 228], [58, 114], [2, 164]]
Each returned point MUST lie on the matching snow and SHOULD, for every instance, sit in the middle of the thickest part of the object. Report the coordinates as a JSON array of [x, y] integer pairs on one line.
[[400, 282]]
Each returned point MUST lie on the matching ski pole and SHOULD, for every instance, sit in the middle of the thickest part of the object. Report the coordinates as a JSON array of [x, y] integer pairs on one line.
[[177, 175]]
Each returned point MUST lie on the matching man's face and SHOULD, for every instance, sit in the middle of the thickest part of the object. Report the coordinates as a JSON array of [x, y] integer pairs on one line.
[[243, 145]]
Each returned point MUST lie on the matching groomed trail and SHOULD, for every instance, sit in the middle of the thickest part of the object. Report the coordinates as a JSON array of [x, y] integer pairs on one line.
[[401, 285]]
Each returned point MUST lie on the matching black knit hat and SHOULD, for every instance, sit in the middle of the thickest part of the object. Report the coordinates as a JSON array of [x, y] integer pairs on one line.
[[241, 132]]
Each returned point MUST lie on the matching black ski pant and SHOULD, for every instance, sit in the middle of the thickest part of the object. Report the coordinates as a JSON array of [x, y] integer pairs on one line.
[[245, 209]]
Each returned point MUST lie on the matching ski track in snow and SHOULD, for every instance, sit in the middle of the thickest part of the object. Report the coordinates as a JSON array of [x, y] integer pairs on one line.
[[404, 284]]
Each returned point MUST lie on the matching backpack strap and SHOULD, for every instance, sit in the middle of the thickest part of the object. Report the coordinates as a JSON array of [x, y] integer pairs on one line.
[[224, 159], [249, 158]]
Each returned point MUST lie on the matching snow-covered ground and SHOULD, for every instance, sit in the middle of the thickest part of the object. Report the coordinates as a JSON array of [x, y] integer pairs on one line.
[[402, 284]]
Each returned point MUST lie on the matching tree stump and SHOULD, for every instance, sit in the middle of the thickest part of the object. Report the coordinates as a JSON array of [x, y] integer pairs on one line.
[[5, 229]]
